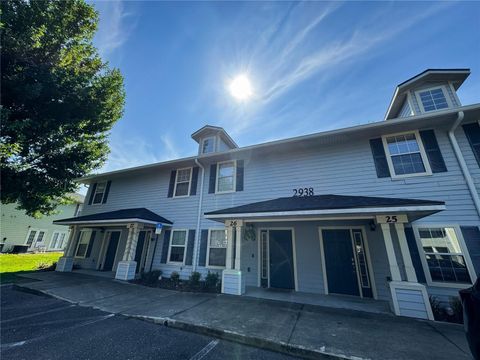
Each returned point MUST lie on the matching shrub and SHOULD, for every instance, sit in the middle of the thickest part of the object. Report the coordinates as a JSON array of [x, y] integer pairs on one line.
[[438, 313], [211, 280], [457, 310], [195, 279], [175, 277], [151, 277]]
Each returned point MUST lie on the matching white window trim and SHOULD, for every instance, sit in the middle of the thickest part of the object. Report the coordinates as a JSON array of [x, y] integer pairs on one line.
[[170, 248], [51, 239], [214, 148], [463, 247], [34, 241], [207, 264], [95, 193], [423, 154], [234, 177], [189, 183], [79, 240], [445, 93]]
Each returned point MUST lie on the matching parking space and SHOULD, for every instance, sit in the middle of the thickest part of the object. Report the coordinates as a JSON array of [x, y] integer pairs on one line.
[[40, 327]]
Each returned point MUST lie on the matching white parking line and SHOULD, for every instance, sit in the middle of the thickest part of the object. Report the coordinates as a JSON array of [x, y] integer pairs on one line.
[[36, 314], [202, 353], [53, 333]]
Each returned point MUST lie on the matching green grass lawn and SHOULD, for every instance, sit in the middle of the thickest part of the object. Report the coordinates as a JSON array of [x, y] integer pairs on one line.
[[11, 264]]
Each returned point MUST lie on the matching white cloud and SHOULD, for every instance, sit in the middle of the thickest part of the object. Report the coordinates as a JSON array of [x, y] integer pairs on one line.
[[113, 29], [129, 152]]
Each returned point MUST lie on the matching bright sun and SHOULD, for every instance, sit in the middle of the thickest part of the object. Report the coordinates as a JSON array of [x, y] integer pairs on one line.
[[240, 88]]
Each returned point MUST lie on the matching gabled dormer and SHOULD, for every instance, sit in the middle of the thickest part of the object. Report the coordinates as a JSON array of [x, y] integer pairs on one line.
[[212, 139], [429, 91]]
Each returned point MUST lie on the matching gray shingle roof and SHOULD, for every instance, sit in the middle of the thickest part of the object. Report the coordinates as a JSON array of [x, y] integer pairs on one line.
[[322, 202], [137, 213]]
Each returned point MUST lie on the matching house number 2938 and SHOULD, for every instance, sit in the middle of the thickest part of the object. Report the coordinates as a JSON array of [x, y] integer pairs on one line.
[[303, 192]]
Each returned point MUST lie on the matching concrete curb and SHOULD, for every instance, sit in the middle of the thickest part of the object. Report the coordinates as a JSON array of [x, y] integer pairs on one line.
[[276, 346]]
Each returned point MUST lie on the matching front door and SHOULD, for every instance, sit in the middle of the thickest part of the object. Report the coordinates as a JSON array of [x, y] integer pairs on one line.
[[139, 251], [111, 251], [340, 262], [281, 259]]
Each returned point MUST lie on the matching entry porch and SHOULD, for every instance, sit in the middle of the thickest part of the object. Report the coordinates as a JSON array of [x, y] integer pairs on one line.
[[331, 246], [116, 242]]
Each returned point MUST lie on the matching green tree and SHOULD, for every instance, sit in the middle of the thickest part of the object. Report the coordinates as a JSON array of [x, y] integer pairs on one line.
[[58, 101]]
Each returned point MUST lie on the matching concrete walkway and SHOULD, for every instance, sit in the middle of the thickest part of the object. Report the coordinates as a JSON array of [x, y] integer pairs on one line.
[[306, 330]]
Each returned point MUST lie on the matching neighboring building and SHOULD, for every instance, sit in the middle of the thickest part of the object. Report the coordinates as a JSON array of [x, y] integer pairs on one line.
[[32, 234], [387, 210]]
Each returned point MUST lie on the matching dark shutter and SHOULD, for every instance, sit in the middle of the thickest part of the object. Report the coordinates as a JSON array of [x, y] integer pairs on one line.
[[92, 193], [90, 244], [107, 190], [202, 257], [472, 131], [166, 243], [193, 186], [213, 178], [416, 260], [471, 235], [379, 157], [434, 155], [190, 245], [171, 186], [240, 173]]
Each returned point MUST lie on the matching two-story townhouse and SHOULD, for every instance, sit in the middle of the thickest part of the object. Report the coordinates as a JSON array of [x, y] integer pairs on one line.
[[388, 211]]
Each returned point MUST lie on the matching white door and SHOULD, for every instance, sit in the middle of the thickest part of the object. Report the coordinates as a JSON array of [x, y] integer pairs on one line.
[[35, 238]]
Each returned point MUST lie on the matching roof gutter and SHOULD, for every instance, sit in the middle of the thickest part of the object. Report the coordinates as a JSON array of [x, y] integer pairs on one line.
[[462, 163], [196, 248]]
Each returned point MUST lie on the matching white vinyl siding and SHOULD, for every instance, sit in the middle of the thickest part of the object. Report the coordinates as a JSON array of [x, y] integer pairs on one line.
[[83, 243], [99, 193], [226, 174], [406, 110], [177, 248], [217, 248], [182, 182], [406, 155]]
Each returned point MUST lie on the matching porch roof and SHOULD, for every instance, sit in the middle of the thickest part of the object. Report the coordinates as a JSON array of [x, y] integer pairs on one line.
[[321, 205], [142, 215]]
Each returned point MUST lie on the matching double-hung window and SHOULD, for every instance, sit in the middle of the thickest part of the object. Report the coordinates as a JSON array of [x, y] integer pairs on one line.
[[208, 145], [226, 172], [217, 248], [178, 242], [433, 99], [58, 240], [406, 155], [182, 182], [83, 242], [99, 193], [443, 255]]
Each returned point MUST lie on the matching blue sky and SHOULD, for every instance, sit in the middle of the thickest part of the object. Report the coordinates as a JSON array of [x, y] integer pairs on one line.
[[313, 66]]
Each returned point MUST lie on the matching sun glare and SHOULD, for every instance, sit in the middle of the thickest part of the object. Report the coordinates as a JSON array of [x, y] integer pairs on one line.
[[240, 88]]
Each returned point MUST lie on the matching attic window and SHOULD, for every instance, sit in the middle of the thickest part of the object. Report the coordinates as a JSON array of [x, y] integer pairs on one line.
[[433, 99], [208, 145]]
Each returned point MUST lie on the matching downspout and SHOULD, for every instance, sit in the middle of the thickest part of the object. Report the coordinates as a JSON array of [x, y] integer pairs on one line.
[[196, 248], [463, 164]]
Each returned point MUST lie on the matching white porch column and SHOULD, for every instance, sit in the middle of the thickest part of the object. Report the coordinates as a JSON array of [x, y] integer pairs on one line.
[[230, 232], [409, 298], [65, 263], [233, 281], [392, 260], [407, 259], [127, 267]]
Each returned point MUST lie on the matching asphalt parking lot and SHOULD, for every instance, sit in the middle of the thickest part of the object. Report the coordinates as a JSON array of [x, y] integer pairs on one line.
[[39, 327]]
